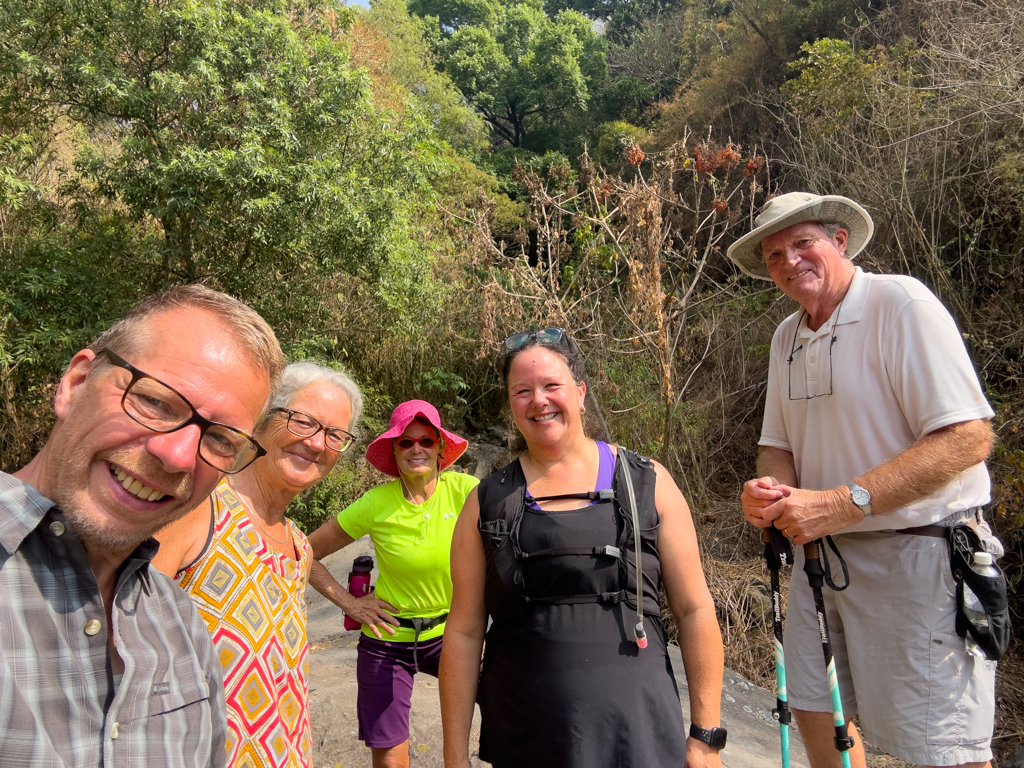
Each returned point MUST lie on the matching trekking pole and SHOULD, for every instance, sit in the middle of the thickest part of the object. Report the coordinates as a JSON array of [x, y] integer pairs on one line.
[[778, 553], [816, 577]]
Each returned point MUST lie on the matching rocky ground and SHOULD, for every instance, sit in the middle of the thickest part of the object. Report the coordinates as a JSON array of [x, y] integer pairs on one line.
[[746, 709]]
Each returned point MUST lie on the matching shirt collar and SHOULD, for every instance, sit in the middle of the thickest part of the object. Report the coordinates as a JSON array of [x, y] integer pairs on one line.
[[850, 309], [23, 508]]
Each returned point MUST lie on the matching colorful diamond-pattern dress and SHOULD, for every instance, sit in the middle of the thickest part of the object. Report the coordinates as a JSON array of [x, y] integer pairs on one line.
[[251, 597]]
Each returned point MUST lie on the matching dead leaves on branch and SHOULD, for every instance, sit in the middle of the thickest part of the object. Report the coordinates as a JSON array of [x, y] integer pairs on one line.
[[622, 257]]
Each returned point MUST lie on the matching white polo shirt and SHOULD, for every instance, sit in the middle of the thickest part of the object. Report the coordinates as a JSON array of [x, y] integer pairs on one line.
[[898, 369]]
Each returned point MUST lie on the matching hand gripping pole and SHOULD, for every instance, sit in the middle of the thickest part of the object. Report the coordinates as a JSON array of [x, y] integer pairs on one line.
[[816, 577], [778, 553]]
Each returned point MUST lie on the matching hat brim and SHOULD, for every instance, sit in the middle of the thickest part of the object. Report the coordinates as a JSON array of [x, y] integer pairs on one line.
[[746, 253], [380, 453]]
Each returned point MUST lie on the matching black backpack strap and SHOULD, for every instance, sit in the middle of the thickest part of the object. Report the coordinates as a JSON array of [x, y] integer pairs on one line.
[[607, 549], [644, 479], [612, 598]]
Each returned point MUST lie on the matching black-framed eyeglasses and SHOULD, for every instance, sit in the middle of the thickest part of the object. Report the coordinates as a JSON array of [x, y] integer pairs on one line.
[[793, 349], [304, 425], [544, 336], [161, 408]]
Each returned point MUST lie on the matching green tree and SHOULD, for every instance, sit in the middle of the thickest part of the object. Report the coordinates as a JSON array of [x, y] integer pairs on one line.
[[527, 69], [411, 63], [144, 144], [451, 15]]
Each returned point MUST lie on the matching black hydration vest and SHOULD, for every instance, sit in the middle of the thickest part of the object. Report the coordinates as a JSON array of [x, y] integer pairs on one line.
[[502, 504]]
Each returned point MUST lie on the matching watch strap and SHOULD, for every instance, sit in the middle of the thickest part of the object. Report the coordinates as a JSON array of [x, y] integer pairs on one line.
[[858, 490], [714, 737]]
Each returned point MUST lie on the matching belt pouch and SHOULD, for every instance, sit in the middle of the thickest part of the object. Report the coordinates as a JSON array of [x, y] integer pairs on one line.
[[990, 591]]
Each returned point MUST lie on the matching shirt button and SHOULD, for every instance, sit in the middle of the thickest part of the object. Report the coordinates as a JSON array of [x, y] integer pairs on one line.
[[426, 517], [115, 729], [92, 627], [57, 527]]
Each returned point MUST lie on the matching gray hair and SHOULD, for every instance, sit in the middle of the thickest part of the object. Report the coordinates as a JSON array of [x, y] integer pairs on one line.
[[831, 227], [299, 376]]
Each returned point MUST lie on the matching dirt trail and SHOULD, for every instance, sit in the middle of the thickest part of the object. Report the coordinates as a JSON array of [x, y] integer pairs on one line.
[[746, 709]]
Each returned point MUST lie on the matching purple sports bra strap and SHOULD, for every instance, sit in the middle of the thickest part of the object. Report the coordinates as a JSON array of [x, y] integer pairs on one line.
[[606, 469]]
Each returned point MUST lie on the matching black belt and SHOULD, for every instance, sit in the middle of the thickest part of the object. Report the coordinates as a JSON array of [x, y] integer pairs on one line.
[[941, 531], [420, 625]]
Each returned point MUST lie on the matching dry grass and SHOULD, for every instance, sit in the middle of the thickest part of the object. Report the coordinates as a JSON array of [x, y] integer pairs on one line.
[[1010, 703]]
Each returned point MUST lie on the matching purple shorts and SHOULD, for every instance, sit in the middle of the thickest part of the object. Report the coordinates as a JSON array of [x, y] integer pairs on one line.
[[384, 672]]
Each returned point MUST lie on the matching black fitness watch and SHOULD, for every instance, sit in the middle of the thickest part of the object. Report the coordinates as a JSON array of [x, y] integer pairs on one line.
[[714, 738]]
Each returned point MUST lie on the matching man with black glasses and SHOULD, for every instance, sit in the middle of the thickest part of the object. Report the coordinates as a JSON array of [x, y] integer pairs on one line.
[[875, 428], [103, 660]]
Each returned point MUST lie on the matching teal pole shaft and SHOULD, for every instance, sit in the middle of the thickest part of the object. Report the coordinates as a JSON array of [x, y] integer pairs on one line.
[[816, 577], [777, 553], [780, 684]]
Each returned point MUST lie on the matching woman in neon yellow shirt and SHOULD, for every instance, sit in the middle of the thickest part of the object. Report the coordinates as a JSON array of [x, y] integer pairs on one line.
[[410, 521]]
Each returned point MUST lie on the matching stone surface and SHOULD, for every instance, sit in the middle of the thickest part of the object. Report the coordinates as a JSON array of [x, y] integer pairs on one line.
[[746, 709]]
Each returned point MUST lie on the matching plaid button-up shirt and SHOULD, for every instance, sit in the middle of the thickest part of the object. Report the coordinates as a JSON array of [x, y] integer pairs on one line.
[[167, 710]]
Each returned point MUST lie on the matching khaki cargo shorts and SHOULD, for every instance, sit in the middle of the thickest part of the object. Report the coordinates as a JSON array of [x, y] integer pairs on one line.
[[902, 668]]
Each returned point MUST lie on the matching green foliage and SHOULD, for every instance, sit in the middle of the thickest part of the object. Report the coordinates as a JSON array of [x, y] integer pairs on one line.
[[410, 63], [613, 138], [451, 15], [146, 144], [834, 79], [526, 69]]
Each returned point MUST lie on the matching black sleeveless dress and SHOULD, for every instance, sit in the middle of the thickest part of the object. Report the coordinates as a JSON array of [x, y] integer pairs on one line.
[[566, 686]]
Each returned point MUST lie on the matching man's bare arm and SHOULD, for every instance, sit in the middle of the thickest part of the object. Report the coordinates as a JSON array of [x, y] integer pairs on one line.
[[778, 464], [921, 469], [927, 465]]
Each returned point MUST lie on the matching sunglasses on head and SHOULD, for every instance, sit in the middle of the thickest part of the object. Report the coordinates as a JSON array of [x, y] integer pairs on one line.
[[405, 443], [545, 336]]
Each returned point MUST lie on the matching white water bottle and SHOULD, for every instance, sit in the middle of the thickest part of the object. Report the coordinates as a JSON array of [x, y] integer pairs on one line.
[[973, 609]]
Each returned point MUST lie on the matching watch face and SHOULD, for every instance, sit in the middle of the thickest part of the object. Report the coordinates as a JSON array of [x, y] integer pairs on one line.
[[718, 738], [860, 496]]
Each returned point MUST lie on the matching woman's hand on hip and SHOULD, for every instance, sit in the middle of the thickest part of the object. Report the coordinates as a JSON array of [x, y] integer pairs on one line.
[[372, 611]]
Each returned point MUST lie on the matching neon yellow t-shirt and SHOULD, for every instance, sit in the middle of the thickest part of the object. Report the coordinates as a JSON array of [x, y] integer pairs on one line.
[[413, 544]]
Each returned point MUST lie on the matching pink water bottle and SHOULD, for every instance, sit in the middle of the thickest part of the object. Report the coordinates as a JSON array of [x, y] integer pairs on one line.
[[359, 584]]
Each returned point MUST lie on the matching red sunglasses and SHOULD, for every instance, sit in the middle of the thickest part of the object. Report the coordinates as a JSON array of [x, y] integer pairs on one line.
[[406, 443]]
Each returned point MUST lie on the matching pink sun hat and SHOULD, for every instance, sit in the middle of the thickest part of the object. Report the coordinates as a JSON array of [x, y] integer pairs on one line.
[[381, 453]]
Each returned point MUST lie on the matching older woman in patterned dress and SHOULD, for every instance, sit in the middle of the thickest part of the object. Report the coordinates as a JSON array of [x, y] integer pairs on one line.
[[246, 566]]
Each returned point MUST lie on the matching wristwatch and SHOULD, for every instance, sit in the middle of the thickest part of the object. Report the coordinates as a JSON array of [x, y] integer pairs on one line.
[[715, 738], [860, 498]]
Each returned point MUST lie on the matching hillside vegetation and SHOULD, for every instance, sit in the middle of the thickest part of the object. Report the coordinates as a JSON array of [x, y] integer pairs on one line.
[[398, 188]]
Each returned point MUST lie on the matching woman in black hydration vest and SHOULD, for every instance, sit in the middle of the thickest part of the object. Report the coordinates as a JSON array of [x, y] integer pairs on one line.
[[576, 672]]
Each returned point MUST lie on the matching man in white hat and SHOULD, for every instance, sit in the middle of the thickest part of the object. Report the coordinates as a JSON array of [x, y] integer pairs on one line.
[[875, 428]]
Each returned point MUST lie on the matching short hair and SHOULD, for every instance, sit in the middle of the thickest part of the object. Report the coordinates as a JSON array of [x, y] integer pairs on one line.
[[831, 227], [298, 376], [252, 331]]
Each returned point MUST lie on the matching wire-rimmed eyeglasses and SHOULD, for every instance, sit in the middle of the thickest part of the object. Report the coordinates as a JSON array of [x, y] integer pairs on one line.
[[303, 425], [793, 349], [161, 408], [544, 336]]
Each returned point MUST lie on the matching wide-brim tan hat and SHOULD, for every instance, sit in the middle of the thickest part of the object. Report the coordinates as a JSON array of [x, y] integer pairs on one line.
[[792, 208]]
